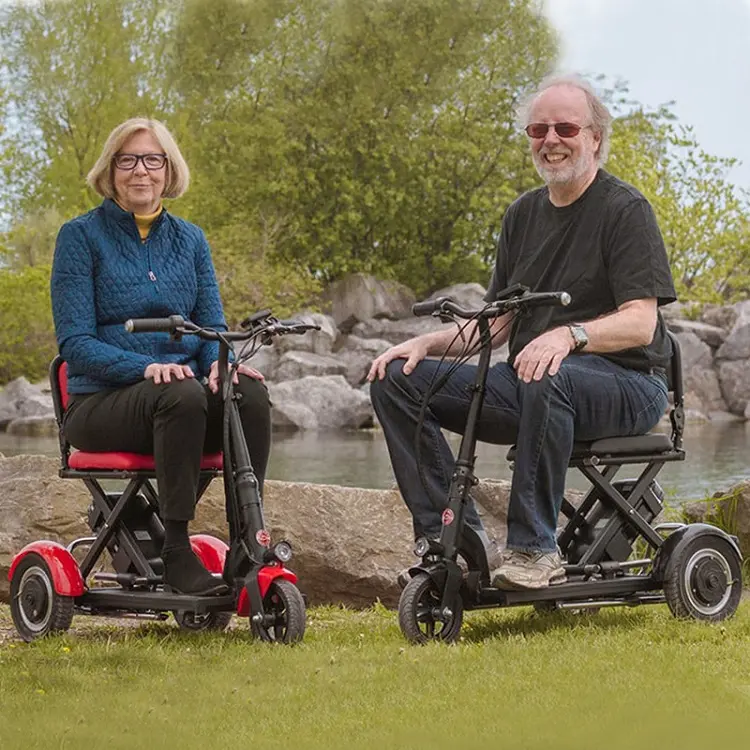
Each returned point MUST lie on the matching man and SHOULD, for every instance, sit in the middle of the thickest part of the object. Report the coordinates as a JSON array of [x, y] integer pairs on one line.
[[591, 370]]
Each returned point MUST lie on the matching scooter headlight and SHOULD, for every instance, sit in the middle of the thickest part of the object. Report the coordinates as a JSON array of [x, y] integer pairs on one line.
[[421, 546], [282, 551]]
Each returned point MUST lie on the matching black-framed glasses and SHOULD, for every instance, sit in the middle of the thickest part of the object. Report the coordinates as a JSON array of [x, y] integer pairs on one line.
[[150, 161], [539, 130]]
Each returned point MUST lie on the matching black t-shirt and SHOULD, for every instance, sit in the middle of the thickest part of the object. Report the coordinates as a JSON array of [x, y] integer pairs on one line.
[[604, 249]]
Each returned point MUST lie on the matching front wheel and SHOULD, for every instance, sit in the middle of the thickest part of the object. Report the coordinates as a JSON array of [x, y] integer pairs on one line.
[[704, 580], [36, 608], [284, 614], [419, 615]]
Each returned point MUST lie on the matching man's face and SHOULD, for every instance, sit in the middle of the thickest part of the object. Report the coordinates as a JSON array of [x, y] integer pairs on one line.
[[560, 160]]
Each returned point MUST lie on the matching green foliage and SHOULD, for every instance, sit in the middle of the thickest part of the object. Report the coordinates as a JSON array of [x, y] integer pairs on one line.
[[27, 339], [32, 242]]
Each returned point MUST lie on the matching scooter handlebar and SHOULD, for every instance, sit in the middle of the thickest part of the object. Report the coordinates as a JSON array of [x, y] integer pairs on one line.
[[154, 325]]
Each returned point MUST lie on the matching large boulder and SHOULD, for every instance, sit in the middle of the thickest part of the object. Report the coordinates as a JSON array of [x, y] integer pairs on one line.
[[470, 296], [319, 403], [699, 378], [317, 342], [734, 377], [397, 331], [22, 399], [361, 297], [709, 334], [357, 354], [349, 543], [721, 316], [295, 365]]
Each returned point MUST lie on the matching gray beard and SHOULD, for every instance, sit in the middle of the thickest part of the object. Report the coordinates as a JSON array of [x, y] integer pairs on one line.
[[572, 173]]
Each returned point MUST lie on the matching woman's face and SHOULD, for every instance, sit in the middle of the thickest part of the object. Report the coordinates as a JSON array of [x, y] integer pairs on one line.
[[139, 189]]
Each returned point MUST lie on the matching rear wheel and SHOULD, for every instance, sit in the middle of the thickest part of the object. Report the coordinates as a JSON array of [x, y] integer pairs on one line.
[[419, 613], [200, 622], [36, 608], [283, 614], [704, 579]]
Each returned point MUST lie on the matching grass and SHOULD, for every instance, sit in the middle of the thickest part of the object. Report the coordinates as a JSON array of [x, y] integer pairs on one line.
[[620, 679]]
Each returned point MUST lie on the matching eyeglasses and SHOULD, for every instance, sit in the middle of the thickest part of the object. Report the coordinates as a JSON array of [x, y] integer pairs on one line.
[[150, 161], [563, 129]]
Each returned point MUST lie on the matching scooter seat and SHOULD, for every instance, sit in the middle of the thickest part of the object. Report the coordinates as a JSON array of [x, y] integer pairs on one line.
[[653, 442], [121, 461]]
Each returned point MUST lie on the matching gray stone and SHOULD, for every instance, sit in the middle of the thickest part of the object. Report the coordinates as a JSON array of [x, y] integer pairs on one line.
[[722, 316], [737, 344], [33, 427], [397, 331], [698, 374], [734, 377], [711, 335], [295, 365], [470, 296], [357, 355], [361, 297], [317, 342], [20, 399], [319, 403]]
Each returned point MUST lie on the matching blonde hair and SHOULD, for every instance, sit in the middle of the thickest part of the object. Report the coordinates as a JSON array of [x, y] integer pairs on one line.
[[178, 175], [601, 119]]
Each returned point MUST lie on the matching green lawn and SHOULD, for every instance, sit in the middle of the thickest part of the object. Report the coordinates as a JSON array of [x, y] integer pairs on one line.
[[619, 679]]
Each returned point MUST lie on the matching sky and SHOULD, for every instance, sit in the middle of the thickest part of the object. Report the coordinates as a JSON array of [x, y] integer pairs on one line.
[[695, 53]]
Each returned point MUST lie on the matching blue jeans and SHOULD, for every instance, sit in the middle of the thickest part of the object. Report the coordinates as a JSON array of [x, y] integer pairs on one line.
[[588, 399]]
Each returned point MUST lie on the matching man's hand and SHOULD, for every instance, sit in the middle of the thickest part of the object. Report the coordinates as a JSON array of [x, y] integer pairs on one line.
[[545, 353], [413, 351], [213, 375], [163, 373]]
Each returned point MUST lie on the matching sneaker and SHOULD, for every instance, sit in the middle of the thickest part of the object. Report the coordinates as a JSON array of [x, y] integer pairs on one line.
[[529, 570]]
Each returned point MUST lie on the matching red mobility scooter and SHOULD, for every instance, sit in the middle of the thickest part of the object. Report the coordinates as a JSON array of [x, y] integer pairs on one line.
[[49, 586]]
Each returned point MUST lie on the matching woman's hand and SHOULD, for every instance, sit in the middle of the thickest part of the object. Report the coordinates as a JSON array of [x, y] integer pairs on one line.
[[163, 373], [213, 375]]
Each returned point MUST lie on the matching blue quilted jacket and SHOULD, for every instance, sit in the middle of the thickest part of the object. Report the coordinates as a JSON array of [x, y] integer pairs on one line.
[[103, 274]]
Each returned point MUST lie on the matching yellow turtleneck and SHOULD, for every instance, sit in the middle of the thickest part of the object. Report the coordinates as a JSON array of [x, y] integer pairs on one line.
[[144, 221]]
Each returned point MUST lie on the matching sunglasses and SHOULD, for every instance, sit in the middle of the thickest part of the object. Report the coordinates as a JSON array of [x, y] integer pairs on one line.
[[563, 129]]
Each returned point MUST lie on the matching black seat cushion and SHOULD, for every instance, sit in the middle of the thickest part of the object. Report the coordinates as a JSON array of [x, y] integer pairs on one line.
[[653, 442]]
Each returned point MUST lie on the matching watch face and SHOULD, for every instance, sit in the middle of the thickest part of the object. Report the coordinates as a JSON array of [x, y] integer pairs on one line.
[[580, 337]]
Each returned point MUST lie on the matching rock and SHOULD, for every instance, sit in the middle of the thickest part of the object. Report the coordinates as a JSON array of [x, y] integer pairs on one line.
[[33, 427], [676, 310], [698, 374], [734, 378], [729, 510], [319, 403], [737, 344], [711, 335], [470, 296], [317, 342], [22, 399], [397, 331], [357, 355], [722, 316], [295, 365], [361, 297], [349, 543]]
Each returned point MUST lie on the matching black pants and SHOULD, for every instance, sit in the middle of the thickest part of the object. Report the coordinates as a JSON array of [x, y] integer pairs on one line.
[[176, 422]]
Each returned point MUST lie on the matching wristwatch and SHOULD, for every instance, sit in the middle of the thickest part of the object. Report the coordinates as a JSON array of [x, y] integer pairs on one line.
[[578, 332]]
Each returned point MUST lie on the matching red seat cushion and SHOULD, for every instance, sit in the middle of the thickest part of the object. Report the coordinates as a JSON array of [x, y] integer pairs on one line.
[[82, 461]]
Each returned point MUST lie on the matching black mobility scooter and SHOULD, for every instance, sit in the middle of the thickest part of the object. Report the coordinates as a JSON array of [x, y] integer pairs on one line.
[[48, 585], [695, 568]]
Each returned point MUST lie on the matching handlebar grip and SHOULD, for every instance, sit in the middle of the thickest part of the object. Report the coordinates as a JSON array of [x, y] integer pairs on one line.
[[154, 325], [428, 307]]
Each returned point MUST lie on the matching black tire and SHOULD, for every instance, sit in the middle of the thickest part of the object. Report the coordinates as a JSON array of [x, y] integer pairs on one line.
[[217, 621], [703, 581], [415, 613], [37, 609], [284, 619]]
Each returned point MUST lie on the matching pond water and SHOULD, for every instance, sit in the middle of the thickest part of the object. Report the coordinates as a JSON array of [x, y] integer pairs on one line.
[[718, 456]]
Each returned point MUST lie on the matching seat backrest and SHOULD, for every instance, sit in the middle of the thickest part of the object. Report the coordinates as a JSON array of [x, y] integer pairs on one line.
[[674, 376], [58, 381]]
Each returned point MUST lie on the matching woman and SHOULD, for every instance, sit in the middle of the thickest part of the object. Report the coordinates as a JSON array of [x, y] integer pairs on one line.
[[144, 393]]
